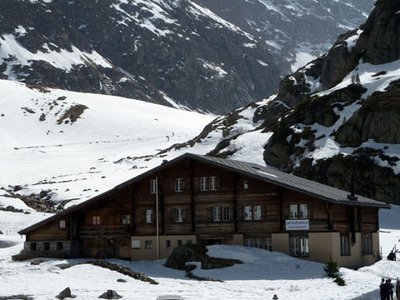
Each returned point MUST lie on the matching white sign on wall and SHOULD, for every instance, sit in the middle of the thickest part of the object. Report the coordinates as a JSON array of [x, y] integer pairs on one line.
[[297, 224]]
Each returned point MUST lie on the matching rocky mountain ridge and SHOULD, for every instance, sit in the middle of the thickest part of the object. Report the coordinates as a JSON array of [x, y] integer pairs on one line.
[[335, 120], [181, 53]]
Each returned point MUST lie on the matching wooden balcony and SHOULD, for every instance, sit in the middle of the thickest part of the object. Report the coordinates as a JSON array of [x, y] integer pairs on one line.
[[104, 231]]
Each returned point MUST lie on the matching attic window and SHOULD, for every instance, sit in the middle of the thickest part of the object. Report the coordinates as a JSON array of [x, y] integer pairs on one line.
[[61, 224]]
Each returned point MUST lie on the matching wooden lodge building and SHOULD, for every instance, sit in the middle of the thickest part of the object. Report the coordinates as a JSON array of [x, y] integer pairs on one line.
[[202, 199]]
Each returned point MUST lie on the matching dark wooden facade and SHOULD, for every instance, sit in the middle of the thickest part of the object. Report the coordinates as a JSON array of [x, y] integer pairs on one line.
[[212, 202]]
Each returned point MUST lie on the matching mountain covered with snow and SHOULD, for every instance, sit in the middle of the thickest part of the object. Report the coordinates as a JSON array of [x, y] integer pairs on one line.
[[206, 55], [335, 120]]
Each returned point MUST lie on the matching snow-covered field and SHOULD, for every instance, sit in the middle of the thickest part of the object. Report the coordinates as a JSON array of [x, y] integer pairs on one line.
[[77, 160], [262, 274]]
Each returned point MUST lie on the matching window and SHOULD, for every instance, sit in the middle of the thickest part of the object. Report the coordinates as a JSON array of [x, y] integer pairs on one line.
[[367, 243], [298, 211], [148, 244], [344, 245], [179, 185], [149, 216], [178, 215], [153, 186], [135, 244], [61, 224], [225, 213], [216, 214], [212, 185], [248, 214], [252, 213], [257, 212], [179, 242], [298, 246], [59, 245], [126, 219], [303, 210], [189, 242], [245, 185], [262, 243], [46, 246], [203, 184], [95, 220], [168, 244], [209, 183], [33, 246]]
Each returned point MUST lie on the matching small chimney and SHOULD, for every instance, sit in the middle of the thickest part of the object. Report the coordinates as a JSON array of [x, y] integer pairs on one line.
[[352, 196]]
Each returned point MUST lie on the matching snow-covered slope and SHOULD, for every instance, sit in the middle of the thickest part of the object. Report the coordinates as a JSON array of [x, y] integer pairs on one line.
[[71, 143], [262, 274]]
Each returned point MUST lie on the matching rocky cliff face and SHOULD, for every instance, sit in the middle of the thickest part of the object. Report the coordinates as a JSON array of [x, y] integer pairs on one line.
[[335, 120], [173, 52]]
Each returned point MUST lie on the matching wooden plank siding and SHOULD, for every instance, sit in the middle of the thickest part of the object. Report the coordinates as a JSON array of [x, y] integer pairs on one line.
[[111, 238]]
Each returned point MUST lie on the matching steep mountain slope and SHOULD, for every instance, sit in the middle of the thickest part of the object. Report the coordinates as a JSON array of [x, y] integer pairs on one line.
[[295, 30], [172, 52], [335, 121], [162, 51]]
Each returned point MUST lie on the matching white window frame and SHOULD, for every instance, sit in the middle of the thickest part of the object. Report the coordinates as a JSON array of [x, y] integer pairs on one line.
[[212, 183], [153, 186], [245, 184], [179, 185], [299, 246], [135, 244], [126, 219], [149, 216], [179, 215], [203, 184], [366, 243], [248, 213], [217, 214], [298, 211], [345, 245], [61, 224], [226, 213], [257, 213], [293, 211], [303, 211], [96, 220]]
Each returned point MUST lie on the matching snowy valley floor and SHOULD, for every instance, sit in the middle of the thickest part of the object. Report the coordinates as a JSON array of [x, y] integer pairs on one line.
[[262, 274]]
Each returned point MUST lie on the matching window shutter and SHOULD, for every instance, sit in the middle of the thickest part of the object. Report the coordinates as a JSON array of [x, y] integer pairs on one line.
[[239, 215], [210, 214], [197, 183], [218, 183]]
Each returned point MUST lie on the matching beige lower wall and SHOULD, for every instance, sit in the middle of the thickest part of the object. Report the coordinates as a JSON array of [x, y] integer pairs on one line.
[[237, 239], [143, 254], [280, 242], [325, 246]]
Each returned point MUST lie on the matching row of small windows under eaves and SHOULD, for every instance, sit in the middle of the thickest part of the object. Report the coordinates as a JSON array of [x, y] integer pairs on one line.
[[205, 183], [46, 246], [148, 244], [217, 214]]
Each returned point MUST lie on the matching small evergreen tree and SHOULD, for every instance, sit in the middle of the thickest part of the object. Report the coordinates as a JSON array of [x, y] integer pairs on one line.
[[332, 270]]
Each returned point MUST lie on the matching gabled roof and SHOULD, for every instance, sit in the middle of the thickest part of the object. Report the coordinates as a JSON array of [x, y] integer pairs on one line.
[[262, 173]]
